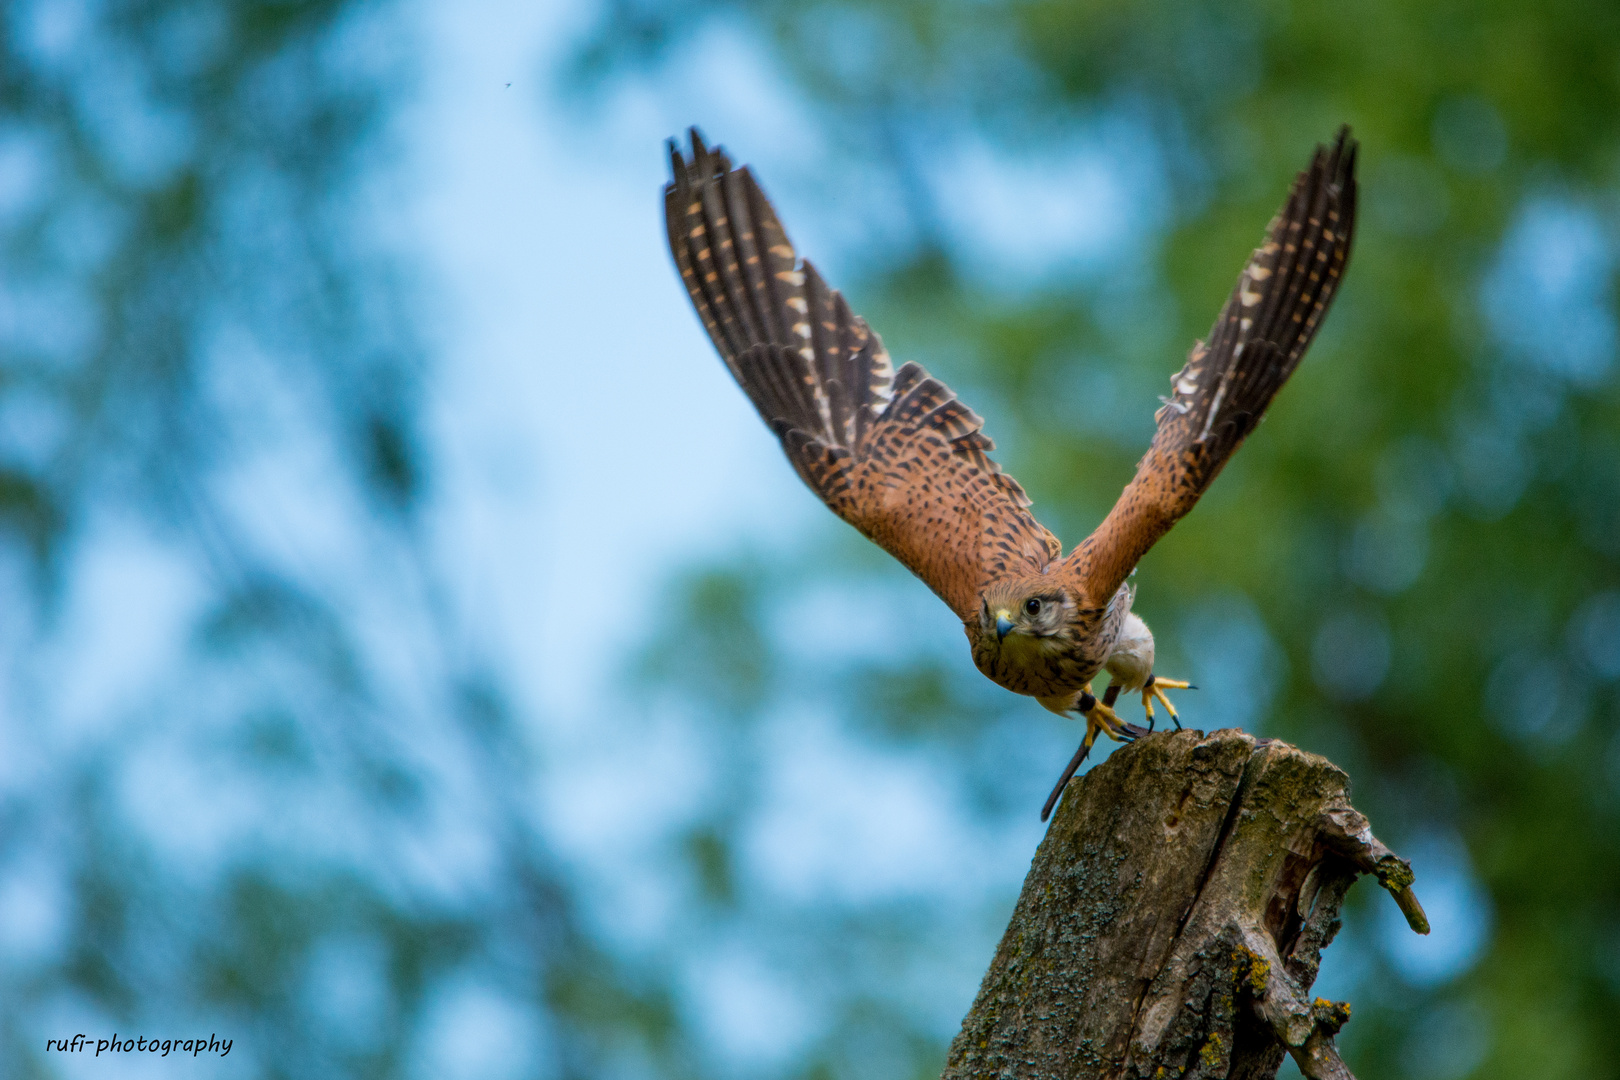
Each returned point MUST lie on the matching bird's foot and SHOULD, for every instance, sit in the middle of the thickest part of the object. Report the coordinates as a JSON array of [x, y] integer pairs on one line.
[[1100, 717], [1155, 688]]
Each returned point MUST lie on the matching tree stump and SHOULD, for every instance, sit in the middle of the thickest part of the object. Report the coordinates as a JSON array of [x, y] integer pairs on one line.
[[1172, 923]]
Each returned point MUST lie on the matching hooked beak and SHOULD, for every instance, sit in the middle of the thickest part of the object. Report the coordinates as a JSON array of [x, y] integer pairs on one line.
[[1004, 625]]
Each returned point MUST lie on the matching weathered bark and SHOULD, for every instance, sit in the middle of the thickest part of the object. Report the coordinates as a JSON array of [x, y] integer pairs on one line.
[[1173, 921]]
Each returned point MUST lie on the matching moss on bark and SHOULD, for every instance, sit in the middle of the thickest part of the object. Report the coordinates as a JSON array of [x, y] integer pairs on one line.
[[1172, 923]]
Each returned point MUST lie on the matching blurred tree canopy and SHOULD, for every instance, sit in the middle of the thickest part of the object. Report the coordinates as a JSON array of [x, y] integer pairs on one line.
[[299, 839], [1413, 566], [315, 830]]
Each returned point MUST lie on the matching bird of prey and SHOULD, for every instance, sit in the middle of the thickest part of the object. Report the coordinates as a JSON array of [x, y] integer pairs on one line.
[[896, 454]]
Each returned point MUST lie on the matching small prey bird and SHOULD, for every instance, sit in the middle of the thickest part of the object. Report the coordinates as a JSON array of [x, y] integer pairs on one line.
[[896, 454]]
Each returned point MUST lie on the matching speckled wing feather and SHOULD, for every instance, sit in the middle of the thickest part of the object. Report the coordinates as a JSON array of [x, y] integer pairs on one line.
[[1223, 390], [894, 453]]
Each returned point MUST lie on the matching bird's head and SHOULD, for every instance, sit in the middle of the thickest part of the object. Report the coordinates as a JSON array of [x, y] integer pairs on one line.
[[1032, 607]]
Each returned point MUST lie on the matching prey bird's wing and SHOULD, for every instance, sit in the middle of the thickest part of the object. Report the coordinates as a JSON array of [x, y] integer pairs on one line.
[[1256, 343], [894, 453]]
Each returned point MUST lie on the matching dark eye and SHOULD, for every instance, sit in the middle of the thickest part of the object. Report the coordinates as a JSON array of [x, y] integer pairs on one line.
[[1032, 606]]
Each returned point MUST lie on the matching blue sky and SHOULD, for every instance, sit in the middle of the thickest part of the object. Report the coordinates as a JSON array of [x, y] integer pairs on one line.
[[590, 440], [586, 444], [592, 444]]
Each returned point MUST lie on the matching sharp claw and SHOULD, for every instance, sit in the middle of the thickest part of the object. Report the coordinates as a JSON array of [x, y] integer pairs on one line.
[[1121, 731], [1100, 717], [1155, 688]]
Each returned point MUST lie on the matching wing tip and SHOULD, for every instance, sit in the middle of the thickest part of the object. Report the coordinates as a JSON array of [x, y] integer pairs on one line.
[[1337, 166], [705, 159], [1343, 141]]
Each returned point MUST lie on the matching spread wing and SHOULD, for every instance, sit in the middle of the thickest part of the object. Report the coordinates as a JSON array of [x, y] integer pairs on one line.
[[894, 453], [1256, 343]]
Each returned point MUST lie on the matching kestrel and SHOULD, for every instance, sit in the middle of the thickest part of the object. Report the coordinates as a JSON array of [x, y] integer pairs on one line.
[[899, 456]]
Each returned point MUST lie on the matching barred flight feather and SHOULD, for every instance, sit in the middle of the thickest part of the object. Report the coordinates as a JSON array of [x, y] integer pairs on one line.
[[896, 454], [903, 459], [1257, 342]]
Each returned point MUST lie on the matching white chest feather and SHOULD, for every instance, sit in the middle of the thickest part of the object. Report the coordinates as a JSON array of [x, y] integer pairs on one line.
[[1131, 661]]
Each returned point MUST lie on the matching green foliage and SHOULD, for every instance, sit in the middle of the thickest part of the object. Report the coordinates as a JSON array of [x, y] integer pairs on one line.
[[1414, 566], [256, 841], [1428, 525]]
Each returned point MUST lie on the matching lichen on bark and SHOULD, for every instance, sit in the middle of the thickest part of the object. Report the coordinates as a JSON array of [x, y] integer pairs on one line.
[[1173, 919]]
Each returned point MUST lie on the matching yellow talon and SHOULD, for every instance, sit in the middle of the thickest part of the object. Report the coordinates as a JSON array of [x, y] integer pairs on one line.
[[1099, 717], [1155, 688], [1102, 718]]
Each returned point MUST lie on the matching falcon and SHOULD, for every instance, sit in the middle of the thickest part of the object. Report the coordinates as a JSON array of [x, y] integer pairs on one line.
[[899, 456]]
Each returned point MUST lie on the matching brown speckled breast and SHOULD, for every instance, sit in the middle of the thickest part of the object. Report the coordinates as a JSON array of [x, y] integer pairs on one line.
[[1054, 666]]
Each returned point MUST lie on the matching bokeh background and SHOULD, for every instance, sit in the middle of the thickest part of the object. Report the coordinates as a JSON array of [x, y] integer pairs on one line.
[[419, 661]]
